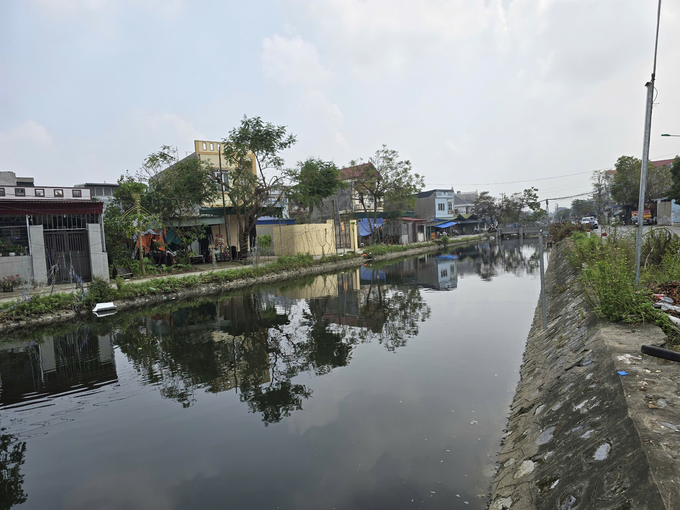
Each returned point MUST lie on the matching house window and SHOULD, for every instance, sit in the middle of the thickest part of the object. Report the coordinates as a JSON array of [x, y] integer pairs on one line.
[[108, 192], [39, 192], [444, 273], [99, 192], [58, 193], [76, 193], [440, 207], [204, 146], [212, 147], [450, 206], [2, 192], [20, 192]]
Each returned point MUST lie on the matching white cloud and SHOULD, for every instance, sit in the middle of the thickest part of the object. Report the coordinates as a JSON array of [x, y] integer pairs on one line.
[[20, 144], [168, 125], [402, 18], [292, 61], [69, 7]]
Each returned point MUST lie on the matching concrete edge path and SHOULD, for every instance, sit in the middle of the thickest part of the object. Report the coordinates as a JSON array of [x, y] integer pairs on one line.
[[580, 435]]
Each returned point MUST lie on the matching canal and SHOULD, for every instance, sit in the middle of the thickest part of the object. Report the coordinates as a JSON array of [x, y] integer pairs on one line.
[[383, 387]]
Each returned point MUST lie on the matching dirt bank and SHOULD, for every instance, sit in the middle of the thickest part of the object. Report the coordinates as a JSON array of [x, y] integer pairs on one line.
[[580, 434], [212, 288]]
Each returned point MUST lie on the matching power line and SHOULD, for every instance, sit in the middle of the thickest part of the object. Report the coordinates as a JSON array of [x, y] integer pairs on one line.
[[540, 178], [570, 196], [528, 180]]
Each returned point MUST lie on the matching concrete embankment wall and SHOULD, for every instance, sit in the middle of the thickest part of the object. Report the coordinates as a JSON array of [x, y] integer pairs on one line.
[[214, 288], [570, 442]]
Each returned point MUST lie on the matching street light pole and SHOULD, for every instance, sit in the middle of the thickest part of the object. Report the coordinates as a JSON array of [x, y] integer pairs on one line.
[[645, 153]]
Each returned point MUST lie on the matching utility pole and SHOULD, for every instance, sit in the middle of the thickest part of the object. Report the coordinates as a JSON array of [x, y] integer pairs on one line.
[[645, 153]]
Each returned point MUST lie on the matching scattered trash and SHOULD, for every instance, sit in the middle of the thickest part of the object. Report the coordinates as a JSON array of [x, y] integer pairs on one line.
[[104, 309], [622, 372], [666, 299]]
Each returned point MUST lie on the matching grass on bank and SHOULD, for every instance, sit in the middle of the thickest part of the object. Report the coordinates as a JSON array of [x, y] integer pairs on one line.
[[608, 274], [101, 291]]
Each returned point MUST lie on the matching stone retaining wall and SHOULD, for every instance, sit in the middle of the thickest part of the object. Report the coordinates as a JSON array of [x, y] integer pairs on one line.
[[570, 442], [212, 288]]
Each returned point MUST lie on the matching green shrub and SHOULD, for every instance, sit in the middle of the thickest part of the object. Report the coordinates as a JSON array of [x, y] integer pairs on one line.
[[264, 241], [560, 231], [99, 291]]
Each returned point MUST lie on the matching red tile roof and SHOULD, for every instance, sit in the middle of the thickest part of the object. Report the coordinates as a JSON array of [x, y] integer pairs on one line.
[[355, 172], [662, 162]]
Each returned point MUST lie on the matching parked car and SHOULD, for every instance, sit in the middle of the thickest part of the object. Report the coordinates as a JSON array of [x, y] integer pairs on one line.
[[590, 220]]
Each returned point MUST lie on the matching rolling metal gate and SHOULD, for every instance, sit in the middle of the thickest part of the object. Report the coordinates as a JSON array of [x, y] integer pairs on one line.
[[68, 249]]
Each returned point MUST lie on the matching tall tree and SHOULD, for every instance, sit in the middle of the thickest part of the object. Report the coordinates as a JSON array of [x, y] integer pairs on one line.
[[626, 186], [177, 188], [255, 186], [123, 219], [486, 206], [386, 182], [520, 201], [581, 208], [562, 214], [674, 192], [313, 180], [601, 192]]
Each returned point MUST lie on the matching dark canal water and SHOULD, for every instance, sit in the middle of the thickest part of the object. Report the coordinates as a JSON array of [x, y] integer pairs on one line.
[[384, 387]]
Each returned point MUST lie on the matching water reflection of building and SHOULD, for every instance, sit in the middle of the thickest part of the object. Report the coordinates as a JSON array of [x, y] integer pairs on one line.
[[76, 361], [441, 274]]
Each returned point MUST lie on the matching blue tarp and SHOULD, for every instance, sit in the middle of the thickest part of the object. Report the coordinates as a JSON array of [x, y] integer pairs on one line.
[[365, 226], [368, 274], [445, 225]]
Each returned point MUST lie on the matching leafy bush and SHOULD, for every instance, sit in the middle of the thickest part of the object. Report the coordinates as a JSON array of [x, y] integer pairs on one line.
[[99, 291], [560, 231], [264, 241], [608, 278]]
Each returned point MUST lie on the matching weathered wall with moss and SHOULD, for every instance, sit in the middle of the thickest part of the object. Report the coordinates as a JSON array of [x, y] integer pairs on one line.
[[570, 442]]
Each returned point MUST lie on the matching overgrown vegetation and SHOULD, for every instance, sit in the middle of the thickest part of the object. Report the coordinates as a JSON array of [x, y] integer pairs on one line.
[[608, 275], [560, 231], [100, 291]]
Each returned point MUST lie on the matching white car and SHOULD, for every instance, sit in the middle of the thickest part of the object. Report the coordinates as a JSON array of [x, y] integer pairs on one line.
[[590, 220]]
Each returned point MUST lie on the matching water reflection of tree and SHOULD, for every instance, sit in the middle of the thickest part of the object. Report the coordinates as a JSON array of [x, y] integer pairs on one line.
[[392, 312], [12, 454], [246, 343], [514, 257]]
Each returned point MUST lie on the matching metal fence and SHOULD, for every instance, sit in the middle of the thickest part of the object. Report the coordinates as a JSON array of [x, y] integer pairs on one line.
[[13, 240]]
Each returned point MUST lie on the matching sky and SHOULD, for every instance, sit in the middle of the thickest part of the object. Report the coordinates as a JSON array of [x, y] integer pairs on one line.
[[478, 95]]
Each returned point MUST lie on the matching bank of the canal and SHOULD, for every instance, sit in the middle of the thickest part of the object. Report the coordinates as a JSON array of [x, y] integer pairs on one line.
[[379, 386], [594, 423], [153, 296]]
